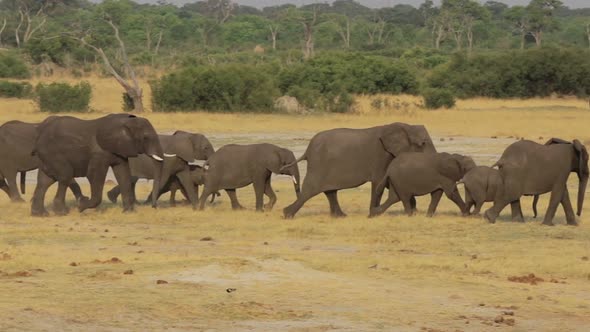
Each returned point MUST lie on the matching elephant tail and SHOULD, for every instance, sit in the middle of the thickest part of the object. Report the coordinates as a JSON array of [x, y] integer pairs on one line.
[[535, 201], [303, 157], [23, 178]]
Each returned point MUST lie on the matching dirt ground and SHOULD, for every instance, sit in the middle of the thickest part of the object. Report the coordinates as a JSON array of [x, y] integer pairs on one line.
[[177, 269]]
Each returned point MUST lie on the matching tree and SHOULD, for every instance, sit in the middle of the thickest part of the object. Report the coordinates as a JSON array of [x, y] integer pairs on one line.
[[341, 24], [519, 19], [308, 18], [496, 9], [221, 10], [588, 33], [541, 18], [133, 90], [461, 16]]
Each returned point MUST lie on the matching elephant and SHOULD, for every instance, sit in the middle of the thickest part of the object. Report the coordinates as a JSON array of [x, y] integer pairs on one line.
[[17, 140], [197, 175], [481, 184], [347, 158], [181, 150], [530, 168], [69, 147], [415, 174], [235, 166]]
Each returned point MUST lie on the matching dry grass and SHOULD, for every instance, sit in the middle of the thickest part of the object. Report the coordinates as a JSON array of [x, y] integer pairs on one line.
[[313, 273]]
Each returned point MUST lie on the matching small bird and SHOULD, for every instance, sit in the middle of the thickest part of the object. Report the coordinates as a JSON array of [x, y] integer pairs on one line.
[[229, 290]]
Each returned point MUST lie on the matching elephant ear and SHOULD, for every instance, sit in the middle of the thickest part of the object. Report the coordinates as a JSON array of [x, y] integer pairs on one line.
[[450, 166], [555, 140], [395, 140], [182, 147], [119, 139], [418, 136], [273, 162], [202, 147], [582, 156]]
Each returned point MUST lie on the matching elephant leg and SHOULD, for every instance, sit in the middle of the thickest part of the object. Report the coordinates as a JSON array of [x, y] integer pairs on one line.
[[477, 208], [272, 197], [97, 172], [556, 197], [4, 187], [208, 191], [307, 192], [114, 193], [59, 202], [414, 204], [75, 189], [570, 217], [435, 197], [235, 204], [37, 204], [407, 202], [12, 188], [516, 211], [335, 210], [456, 198], [469, 201], [391, 199], [126, 183], [187, 184], [259, 189], [376, 193], [173, 197]]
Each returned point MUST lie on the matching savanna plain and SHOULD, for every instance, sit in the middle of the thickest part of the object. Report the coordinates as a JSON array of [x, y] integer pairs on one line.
[[220, 270]]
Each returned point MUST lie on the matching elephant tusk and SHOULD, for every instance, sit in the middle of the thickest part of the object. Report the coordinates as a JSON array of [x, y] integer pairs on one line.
[[294, 179], [199, 163], [157, 158], [169, 155]]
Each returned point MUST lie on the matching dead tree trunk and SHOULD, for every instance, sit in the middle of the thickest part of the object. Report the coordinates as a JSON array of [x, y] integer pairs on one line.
[[131, 88], [274, 32], [587, 31], [1, 31], [344, 32]]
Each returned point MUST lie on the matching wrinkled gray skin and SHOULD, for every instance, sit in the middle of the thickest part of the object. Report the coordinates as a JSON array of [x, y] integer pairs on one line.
[[414, 174], [180, 150], [69, 147], [347, 158], [236, 166], [17, 141], [530, 168], [481, 184]]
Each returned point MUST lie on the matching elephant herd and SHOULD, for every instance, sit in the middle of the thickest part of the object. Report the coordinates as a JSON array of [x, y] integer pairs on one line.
[[396, 156]]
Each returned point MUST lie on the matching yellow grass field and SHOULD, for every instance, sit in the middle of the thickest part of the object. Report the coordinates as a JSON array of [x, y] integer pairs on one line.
[[99, 270]]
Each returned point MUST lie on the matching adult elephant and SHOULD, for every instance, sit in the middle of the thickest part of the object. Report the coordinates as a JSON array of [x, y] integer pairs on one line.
[[17, 141], [347, 158], [235, 166], [181, 151], [530, 168], [69, 147]]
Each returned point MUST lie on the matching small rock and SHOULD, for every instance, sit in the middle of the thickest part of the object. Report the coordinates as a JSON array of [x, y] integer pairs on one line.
[[230, 290], [540, 137], [128, 272], [508, 313], [585, 258], [442, 139], [265, 243], [473, 256], [74, 264], [494, 137], [161, 282], [207, 238], [451, 139], [132, 243], [106, 230], [140, 252], [529, 298], [509, 321], [482, 304], [373, 266], [499, 319]]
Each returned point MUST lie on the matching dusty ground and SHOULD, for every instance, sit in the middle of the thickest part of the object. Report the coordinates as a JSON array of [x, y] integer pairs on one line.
[[219, 270]]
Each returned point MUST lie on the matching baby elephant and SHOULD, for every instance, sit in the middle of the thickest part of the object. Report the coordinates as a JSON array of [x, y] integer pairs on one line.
[[197, 176], [415, 174], [235, 166], [481, 184]]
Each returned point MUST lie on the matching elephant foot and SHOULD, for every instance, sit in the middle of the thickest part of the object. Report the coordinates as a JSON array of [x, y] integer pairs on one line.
[[112, 196], [60, 210], [238, 208], [17, 199], [488, 216], [39, 213], [268, 207], [338, 214], [547, 223], [572, 223], [129, 210], [288, 214], [429, 214]]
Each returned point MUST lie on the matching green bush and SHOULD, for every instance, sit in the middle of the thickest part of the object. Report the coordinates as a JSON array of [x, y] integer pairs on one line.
[[15, 89], [438, 98], [224, 88], [532, 73], [13, 67], [62, 97]]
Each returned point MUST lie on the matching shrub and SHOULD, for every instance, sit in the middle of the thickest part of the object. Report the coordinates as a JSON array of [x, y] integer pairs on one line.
[[438, 98], [233, 88], [62, 97], [15, 89], [13, 67]]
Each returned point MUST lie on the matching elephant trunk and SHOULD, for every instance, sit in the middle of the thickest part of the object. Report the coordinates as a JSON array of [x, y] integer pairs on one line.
[[582, 192], [167, 169], [157, 182], [296, 180]]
